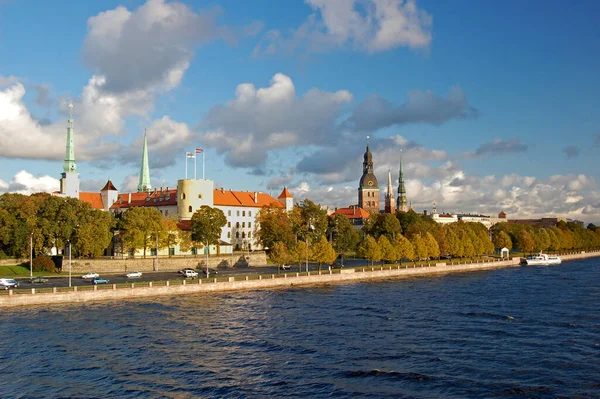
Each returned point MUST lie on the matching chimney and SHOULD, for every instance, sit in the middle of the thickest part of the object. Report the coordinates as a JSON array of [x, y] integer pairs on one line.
[[255, 197]]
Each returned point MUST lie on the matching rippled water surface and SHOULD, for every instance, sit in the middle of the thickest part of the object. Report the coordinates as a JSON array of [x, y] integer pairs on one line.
[[526, 332]]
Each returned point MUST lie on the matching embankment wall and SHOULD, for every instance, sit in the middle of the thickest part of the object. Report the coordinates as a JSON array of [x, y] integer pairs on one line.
[[264, 282]]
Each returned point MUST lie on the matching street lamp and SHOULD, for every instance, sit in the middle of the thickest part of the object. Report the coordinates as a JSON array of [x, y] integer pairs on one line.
[[31, 255], [207, 249], [69, 242]]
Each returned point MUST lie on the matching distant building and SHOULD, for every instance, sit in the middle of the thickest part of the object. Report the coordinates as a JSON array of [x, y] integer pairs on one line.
[[355, 214], [545, 222], [390, 202], [401, 202], [368, 187]]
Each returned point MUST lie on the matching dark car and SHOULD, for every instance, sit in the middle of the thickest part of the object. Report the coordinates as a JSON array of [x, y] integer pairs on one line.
[[38, 280], [210, 271], [445, 256], [336, 265]]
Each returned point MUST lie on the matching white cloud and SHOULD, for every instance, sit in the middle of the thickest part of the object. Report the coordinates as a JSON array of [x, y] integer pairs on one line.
[[361, 25], [26, 183]]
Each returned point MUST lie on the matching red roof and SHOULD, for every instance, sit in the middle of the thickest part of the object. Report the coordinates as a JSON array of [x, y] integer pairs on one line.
[[169, 197], [156, 198], [352, 212], [243, 198], [285, 193], [95, 199], [109, 186]]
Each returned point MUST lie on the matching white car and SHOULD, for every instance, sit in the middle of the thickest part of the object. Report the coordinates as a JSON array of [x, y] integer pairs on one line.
[[90, 276], [285, 267], [189, 273], [134, 274], [8, 283]]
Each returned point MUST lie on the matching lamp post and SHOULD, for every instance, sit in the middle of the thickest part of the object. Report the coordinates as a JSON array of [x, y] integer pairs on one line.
[[31, 255], [156, 267], [69, 242], [306, 251], [207, 249]]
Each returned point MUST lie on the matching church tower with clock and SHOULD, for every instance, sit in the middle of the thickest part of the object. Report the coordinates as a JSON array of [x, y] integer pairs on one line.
[[368, 188]]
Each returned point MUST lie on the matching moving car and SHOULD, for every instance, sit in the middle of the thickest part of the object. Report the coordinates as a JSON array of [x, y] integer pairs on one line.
[[184, 271], [285, 267], [98, 280], [90, 275], [134, 274], [38, 280], [211, 271], [189, 273], [8, 283]]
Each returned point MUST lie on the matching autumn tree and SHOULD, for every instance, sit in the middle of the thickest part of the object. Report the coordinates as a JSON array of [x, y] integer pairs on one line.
[[344, 235], [502, 240], [279, 254], [207, 224], [420, 247], [524, 241], [388, 251], [369, 249], [272, 225], [139, 226], [404, 247], [433, 250], [323, 252]]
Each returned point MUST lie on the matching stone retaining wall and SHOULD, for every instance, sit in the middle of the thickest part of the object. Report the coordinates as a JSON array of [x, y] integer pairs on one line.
[[264, 281]]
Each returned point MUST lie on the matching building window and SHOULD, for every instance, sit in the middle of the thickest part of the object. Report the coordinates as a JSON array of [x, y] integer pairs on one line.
[[153, 251], [171, 251], [229, 224], [243, 213], [237, 234], [190, 208], [182, 195], [249, 224], [229, 212], [243, 235], [200, 195], [249, 213], [243, 225], [229, 234], [237, 225], [249, 234]]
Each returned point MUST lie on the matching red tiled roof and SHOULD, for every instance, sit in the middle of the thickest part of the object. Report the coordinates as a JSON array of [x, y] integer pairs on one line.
[[243, 198], [109, 186], [285, 193], [95, 199], [221, 198], [169, 197], [352, 213], [184, 225]]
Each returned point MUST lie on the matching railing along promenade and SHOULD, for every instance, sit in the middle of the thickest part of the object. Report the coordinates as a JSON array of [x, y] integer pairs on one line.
[[56, 295]]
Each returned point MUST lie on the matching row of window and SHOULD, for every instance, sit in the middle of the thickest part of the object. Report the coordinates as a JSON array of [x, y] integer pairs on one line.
[[370, 203], [238, 213], [183, 196], [237, 224], [237, 234], [370, 194]]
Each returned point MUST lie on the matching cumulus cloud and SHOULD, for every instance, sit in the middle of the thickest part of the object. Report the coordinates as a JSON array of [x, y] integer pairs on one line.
[[26, 183], [360, 25], [499, 147], [420, 107], [273, 117], [150, 46], [572, 151]]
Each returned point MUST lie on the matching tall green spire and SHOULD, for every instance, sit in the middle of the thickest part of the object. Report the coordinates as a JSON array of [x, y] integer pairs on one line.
[[69, 165], [144, 182], [401, 203]]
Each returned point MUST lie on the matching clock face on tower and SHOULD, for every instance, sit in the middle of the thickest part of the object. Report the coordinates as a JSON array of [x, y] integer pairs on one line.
[[370, 183]]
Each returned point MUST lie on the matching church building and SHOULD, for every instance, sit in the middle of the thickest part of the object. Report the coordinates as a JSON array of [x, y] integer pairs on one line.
[[368, 187]]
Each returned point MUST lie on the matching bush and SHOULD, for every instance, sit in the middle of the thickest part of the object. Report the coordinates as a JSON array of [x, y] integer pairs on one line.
[[43, 264]]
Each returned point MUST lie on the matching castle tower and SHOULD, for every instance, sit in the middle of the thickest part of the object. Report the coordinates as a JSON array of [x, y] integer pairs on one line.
[[390, 203], [109, 195], [401, 202], [368, 188], [192, 194], [144, 182], [286, 199], [69, 182]]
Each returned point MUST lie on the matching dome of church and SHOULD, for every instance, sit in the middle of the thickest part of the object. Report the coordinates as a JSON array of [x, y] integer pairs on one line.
[[368, 180], [368, 157]]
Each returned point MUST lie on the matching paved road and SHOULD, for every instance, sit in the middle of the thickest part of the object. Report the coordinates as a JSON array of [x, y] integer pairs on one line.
[[162, 276]]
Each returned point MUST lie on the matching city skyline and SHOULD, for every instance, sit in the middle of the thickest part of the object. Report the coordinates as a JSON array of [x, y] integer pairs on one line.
[[488, 118]]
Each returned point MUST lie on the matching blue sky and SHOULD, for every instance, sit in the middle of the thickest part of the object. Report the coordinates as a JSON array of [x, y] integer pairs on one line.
[[493, 104]]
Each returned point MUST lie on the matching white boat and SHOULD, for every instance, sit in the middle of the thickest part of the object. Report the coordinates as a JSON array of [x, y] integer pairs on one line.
[[542, 259]]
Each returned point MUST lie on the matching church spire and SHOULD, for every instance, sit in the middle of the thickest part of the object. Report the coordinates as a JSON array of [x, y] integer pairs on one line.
[[69, 164], [144, 182], [390, 204], [401, 202]]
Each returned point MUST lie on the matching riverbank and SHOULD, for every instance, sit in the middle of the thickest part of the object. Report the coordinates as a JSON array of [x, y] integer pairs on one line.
[[17, 298]]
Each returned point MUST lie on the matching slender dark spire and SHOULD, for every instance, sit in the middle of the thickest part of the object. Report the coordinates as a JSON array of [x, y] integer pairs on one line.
[[401, 202]]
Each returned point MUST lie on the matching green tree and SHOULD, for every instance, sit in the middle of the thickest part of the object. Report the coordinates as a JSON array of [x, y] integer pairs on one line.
[[323, 252], [406, 219], [273, 225], [388, 251], [404, 247], [94, 233], [433, 250], [454, 244], [344, 235], [139, 226], [279, 254], [542, 239], [301, 253], [420, 247], [207, 224], [502, 240], [467, 244], [313, 220], [170, 233], [369, 249], [390, 226], [524, 241]]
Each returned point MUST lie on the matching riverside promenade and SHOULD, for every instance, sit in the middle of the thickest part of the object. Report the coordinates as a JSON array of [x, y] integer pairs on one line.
[[19, 298]]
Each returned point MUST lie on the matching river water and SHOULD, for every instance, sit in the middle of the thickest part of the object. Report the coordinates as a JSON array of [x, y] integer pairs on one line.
[[519, 332]]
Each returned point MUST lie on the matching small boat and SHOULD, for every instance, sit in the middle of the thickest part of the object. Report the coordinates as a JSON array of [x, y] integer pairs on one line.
[[541, 259]]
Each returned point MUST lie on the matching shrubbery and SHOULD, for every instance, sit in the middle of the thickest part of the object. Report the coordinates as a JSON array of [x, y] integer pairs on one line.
[[43, 264]]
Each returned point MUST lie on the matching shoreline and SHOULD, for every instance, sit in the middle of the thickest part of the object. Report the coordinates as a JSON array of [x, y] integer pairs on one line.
[[284, 280]]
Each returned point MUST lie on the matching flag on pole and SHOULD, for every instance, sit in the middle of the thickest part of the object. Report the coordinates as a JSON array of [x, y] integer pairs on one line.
[[199, 150], [190, 155]]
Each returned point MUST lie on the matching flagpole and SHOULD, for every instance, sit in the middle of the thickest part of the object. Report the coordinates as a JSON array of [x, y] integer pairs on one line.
[[186, 157], [203, 165], [195, 164]]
